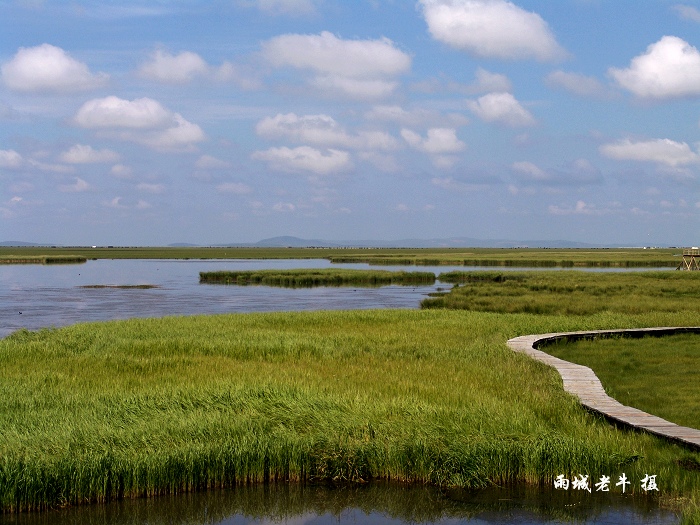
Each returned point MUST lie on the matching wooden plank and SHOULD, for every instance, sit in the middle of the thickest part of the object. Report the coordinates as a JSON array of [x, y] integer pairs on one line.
[[582, 382]]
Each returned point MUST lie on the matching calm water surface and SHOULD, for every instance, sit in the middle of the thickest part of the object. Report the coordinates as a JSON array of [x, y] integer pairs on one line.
[[375, 504], [38, 296]]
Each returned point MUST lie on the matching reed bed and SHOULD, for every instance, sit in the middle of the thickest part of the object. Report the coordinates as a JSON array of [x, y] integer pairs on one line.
[[570, 292], [320, 277], [42, 259], [103, 411]]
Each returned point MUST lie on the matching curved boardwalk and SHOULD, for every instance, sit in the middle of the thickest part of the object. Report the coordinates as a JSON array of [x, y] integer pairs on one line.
[[582, 382]]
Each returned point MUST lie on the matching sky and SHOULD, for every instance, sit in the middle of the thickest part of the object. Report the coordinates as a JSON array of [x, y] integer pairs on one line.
[[146, 123]]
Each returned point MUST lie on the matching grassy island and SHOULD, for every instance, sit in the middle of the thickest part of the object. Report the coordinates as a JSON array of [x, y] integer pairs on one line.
[[317, 277], [42, 259]]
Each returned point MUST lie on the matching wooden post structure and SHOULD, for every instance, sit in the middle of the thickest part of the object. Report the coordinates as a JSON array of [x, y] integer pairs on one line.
[[691, 259]]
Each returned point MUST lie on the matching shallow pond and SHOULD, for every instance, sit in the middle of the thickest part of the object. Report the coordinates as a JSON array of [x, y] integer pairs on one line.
[[374, 503]]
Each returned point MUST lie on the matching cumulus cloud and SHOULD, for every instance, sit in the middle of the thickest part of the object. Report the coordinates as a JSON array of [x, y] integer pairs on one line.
[[450, 184], [488, 82], [438, 141], [174, 69], [670, 68], [581, 85], [78, 187], [150, 188], [81, 154], [284, 7], [142, 120], [418, 117], [491, 29], [687, 12], [9, 158], [121, 172], [502, 108], [579, 172], [186, 66], [581, 208], [235, 188], [356, 68], [305, 159], [321, 130], [660, 151], [207, 162], [49, 69]]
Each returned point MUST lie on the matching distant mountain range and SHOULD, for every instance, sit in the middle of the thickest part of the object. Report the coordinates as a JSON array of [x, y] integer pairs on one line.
[[452, 242]]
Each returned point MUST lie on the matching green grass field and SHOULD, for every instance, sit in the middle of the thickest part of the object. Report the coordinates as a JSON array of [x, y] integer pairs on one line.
[[144, 407], [524, 257], [317, 277], [660, 375], [570, 292]]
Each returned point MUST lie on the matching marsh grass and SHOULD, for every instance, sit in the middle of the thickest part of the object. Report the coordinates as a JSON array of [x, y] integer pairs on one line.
[[121, 286], [570, 292], [660, 375], [42, 259], [317, 277], [100, 411]]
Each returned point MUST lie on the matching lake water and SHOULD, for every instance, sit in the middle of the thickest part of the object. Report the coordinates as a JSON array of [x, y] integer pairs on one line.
[[38, 296], [374, 504], [35, 296]]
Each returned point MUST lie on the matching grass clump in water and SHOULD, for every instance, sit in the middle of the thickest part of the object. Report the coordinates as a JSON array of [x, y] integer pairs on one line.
[[317, 277]]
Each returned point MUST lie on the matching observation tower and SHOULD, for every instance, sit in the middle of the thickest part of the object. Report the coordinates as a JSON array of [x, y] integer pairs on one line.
[[691, 259]]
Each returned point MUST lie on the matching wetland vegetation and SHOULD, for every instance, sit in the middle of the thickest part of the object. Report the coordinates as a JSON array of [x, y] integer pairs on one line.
[[158, 406], [507, 257], [659, 375], [317, 277], [570, 292], [42, 259]]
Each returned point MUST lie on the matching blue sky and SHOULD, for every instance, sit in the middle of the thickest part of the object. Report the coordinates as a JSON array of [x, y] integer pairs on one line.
[[149, 123]]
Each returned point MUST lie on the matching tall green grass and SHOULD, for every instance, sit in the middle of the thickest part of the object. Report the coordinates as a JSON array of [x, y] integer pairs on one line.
[[100, 411], [42, 259], [660, 375], [317, 277], [570, 292]]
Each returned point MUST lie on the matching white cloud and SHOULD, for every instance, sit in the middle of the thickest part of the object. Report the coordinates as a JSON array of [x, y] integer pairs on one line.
[[150, 188], [122, 172], [46, 69], [284, 207], [502, 108], [81, 154], [114, 112], [661, 151], [143, 120], [418, 117], [531, 171], [236, 188], [581, 85], [207, 162], [10, 159], [305, 158], [491, 29], [321, 130], [174, 69], [448, 183], [285, 7], [79, 186], [670, 68], [355, 68], [438, 141], [687, 12], [55, 168], [487, 82], [581, 208]]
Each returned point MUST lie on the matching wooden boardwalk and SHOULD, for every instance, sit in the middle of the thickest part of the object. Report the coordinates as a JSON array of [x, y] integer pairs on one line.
[[582, 382]]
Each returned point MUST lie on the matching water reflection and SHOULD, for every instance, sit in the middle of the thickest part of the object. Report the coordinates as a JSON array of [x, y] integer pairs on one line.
[[375, 503]]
